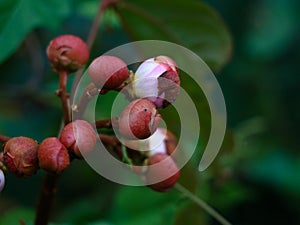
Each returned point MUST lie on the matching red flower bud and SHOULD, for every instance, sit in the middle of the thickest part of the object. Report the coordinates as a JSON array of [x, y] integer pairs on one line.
[[20, 156], [53, 155], [139, 119], [168, 171], [79, 137], [108, 72], [67, 53]]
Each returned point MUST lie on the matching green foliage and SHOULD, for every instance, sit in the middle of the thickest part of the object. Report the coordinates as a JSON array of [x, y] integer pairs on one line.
[[189, 23], [14, 216], [20, 17], [152, 209]]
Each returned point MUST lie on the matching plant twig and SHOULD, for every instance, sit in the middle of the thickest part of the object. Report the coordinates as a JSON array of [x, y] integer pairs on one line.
[[49, 185], [98, 18], [112, 142], [4, 138], [107, 123], [109, 140], [62, 93], [89, 92], [46, 199], [103, 5]]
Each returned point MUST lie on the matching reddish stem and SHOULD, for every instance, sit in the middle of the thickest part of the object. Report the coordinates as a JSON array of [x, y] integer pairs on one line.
[[4, 138], [103, 5], [112, 142], [49, 185], [89, 92], [64, 96], [107, 123], [98, 18], [46, 199]]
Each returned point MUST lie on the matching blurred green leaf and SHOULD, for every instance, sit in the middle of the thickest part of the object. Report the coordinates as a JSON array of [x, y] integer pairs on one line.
[[277, 169], [263, 38], [19, 17], [14, 216], [190, 23], [191, 214], [140, 205], [100, 223]]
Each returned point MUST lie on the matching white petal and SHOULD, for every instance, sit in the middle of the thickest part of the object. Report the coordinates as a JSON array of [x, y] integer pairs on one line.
[[146, 87], [150, 68], [157, 142], [2, 180]]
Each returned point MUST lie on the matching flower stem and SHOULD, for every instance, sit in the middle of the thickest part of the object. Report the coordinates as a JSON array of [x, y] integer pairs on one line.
[[98, 18], [202, 204], [107, 123], [4, 138], [103, 5], [89, 92], [112, 142], [50, 182], [62, 93], [46, 199]]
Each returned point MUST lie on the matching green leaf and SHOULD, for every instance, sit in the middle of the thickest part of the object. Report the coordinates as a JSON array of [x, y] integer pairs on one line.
[[19, 17], [189, 23], [191, 215], [14, 216], [140, 205]]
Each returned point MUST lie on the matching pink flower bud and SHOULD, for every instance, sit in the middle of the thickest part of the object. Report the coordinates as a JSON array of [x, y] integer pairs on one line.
[[53, 155], [139, 119], [168, 172], [67, 53], [108, 72], [20, 156], [157, 79], [2, 180], [79, 137]]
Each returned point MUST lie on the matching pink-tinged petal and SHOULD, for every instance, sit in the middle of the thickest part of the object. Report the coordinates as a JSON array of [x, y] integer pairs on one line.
[[149, 68], [167, 62], [156, 79]]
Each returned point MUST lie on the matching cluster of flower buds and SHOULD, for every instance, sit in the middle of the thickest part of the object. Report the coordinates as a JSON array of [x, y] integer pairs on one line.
[[154, 85], [23, 156]]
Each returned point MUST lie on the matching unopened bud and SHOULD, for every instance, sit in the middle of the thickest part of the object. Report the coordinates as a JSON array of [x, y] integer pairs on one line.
[[79, 137], [139, 119], [53, 155], [20, 156], [166, 171], [108, 72], [67, 53]]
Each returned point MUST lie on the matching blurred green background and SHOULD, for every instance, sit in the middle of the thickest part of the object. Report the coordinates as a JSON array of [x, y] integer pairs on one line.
[[255, 55]]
